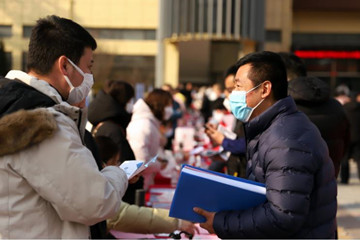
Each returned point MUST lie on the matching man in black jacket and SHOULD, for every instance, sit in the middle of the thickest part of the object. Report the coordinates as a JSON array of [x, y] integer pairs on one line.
[[285, 151], [313, 97]]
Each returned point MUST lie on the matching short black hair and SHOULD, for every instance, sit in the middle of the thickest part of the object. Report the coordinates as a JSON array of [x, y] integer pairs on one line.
[[107, 148], [269, 66], [218, 104], [121, 91], [295, 67], [53, 37], [231, 71]]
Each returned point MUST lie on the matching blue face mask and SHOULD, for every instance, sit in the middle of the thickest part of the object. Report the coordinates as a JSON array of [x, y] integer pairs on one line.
[[238, 104]]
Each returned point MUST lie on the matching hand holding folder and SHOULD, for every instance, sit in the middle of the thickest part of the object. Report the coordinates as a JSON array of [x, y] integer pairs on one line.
[[213, 192]]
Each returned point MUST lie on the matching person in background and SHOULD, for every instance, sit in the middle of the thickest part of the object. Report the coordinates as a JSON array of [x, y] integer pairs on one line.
[[212, 97], [143, 131], [133, 218], [313, 97], [236, 164], [352, 109], [109, 152], [187, 92], [295, 67], [177, 114], [110, 113], [45, 169], [285, 151], [218, 164], [180, 98]]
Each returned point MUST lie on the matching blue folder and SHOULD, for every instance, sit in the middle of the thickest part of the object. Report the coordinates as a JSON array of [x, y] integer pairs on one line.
[[214, 192]]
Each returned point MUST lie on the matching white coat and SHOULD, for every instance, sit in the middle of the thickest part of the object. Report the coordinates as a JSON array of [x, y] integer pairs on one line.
[[143, 134], [53, 189]]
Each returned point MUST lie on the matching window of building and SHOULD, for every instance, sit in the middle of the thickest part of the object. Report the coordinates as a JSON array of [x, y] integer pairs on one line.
[[273, 36], [27, 31], [131, 34], [326, 41], [335, 71], [132, 69], [24, 61], [5, 31]]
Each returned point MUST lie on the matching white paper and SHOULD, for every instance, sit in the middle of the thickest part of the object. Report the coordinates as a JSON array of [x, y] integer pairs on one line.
[[224, 180], [131, 167], [227, 133], [184, 136], [196, 150], [134, 167]]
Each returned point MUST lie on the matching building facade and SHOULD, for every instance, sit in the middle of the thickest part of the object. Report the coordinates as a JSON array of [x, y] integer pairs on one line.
[[125, 32], [152, 42]]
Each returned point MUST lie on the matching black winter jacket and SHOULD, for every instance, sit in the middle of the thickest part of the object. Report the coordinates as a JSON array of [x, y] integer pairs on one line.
[[285, 151], [352, 110], [115, 119], [312, 96]]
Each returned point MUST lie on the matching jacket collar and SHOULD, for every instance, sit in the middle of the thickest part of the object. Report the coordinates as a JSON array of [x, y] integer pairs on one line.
[[38, 84], [79, 116], [260, 123]]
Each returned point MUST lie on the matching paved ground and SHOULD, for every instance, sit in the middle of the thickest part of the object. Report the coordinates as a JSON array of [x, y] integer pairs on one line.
[[348, 216]]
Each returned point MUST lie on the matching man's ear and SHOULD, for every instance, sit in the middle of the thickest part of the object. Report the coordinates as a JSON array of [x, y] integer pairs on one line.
[[266, 89], [63, 65]]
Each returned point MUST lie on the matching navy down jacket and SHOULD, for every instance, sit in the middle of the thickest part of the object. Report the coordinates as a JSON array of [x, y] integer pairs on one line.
[[286, 152]]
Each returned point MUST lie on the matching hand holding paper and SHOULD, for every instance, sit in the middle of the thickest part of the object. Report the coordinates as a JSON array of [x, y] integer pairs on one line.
[[134, 167], [216, 136]]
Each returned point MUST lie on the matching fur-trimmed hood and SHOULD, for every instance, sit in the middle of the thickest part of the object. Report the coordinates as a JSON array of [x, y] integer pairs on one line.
[[23, 129]]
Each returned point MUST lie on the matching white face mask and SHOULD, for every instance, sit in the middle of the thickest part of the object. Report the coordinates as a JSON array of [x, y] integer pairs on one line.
[[217, 116], [226, 104], [77, 94], [168, 112], [212, 96], [130, 106]]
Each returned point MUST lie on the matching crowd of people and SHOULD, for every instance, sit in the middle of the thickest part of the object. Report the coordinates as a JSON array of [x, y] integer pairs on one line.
[[267, 121]]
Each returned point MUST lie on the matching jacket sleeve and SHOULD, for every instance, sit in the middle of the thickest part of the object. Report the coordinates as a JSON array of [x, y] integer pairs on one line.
[[63, 172], [135, 219], [289, 179], [237, 146]]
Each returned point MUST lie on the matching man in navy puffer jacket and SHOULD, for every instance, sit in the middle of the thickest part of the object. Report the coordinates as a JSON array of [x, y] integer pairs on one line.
[[285, 151]]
